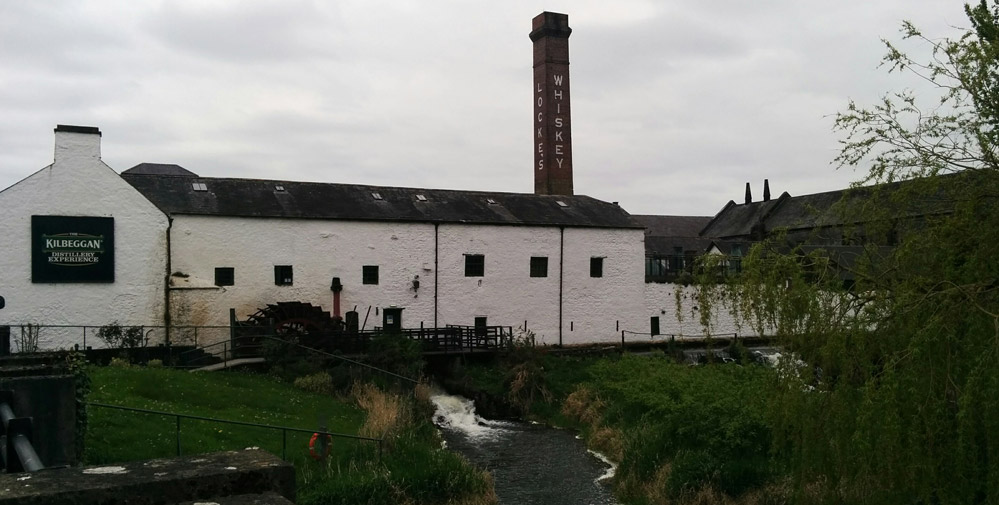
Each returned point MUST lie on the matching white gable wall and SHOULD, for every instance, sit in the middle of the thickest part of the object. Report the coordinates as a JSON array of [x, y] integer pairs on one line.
[[78, 183]]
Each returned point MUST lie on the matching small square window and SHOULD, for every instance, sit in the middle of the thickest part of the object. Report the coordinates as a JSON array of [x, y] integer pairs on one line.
[[475, 265], [596, 267], [200, 186], [369, 274], [539, 266], [283, 275], [225, 276]]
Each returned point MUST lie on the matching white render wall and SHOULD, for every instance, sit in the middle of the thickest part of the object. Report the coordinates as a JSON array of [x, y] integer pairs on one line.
[[78, 183], [660, 300], [321, 249]]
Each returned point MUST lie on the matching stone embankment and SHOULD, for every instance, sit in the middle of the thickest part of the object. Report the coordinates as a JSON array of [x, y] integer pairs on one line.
[[250, 477]]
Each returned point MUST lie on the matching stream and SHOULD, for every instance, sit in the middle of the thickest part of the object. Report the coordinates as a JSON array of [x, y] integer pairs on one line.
[[530, 463]]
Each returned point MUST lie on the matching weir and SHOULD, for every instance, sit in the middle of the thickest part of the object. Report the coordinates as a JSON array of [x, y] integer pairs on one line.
[[530, 463]]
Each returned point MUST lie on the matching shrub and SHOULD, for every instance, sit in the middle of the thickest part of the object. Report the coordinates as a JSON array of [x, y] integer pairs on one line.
[[120, 363], [397, 354], [125, 338], [155, 363], [525, 380], [320, 383], [30, 334]]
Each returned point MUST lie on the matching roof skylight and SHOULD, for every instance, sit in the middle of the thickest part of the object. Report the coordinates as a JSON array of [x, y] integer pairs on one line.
[[200, 186], [561, 203], [421, 198], [490, 201], [376, 196]]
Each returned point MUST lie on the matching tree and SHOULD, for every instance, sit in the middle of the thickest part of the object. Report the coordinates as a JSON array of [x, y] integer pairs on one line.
[[895, 398]]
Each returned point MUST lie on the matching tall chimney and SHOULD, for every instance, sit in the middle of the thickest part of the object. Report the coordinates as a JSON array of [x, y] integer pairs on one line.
[[766, 190], [552, 126], [77, 142], [749, 194]]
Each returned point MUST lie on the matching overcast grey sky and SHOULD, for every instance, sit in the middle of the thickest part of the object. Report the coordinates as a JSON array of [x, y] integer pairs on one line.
[[675, 104]]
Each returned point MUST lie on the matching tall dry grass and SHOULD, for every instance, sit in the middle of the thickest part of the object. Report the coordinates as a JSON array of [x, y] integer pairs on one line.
[[585, 406], [387, 413]]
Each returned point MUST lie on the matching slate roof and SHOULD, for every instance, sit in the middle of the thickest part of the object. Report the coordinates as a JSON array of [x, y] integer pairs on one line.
[[819, 210], [736, 221], [665, 233], [159, 169], [175, 194], [672, 226]]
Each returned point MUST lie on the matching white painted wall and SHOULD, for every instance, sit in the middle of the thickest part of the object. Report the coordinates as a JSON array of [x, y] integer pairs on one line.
[[660, 300], [320, 249], [78, 183], [602, 307]]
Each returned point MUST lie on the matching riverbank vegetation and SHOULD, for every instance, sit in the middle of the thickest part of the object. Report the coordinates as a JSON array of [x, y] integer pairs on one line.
[[413, 467], [889, 388], [897, 397], [680, 433]]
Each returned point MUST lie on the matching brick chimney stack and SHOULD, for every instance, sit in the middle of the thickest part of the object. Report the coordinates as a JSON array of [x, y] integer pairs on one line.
[[552, 125]]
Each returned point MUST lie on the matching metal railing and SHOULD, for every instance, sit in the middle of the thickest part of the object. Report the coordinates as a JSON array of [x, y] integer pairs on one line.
[[451, 338], [19, 454], [83, 337], [284, 429]]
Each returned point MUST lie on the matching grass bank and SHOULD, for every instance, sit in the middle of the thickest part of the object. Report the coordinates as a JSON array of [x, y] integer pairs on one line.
[[680, 433], [414, 468]]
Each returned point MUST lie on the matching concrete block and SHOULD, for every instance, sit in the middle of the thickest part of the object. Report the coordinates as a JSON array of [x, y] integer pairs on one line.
[[200, 478]]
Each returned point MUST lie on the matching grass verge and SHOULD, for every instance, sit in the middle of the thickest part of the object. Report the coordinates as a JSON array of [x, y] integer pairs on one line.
[[414, 468]]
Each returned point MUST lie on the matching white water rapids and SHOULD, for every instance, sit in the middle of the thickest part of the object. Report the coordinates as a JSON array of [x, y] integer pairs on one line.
[[531, 464]]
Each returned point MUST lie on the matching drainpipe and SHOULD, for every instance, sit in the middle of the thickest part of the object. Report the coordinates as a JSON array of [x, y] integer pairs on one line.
[[561, 261], [166, 290], [436, 259], [336, 287]]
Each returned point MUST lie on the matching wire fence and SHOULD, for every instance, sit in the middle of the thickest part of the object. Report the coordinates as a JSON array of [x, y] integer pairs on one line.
[[283, 429]]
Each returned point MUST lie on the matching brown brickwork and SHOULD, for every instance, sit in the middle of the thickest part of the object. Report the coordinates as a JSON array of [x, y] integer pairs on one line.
[[552, 124]]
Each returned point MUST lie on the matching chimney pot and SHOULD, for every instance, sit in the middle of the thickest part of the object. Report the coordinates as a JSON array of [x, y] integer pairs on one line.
[[749, 194], [766, 190]]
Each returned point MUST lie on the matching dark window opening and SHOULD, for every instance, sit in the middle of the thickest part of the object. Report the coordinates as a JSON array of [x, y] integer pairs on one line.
[[480, 326], [475, 265], [539, 266], [282, 275], [369, 274], [596, 267], [676, 261], [225, 276], [656, 267], [654, 323]]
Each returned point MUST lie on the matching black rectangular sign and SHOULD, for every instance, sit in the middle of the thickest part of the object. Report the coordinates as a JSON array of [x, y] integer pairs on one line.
[[72, 249]]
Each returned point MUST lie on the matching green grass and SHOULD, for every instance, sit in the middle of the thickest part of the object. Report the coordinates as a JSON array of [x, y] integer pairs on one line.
[[414, 468], [116, 435]]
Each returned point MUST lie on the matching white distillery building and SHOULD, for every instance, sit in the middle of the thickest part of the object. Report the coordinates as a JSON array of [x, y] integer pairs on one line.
[[159, 246]]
